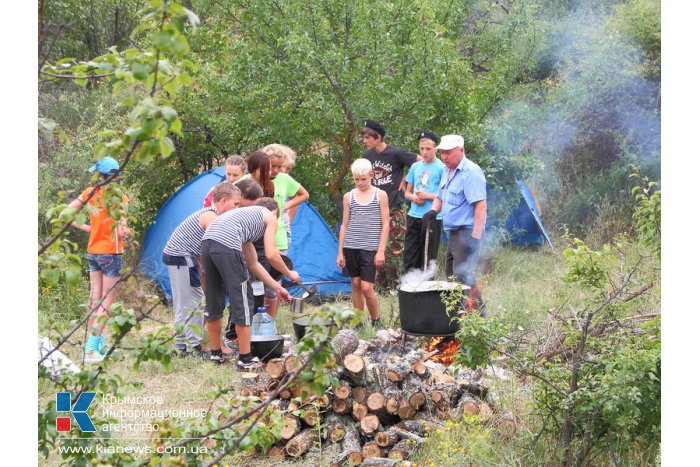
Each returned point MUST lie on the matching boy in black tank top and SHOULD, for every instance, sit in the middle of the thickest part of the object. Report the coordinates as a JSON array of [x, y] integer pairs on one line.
[[363, 236]]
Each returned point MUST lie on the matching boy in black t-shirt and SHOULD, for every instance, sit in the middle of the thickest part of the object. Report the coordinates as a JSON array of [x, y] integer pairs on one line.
[[389, 164]]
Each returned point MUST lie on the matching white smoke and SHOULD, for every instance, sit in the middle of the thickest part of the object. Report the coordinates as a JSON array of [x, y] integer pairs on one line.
[[415, 277]]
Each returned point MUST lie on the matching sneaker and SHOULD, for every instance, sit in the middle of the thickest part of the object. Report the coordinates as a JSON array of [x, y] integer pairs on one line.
[[216, 356], [375, 323], [102, 344], [91, 355], [179, 352], [229, 344], [251, 364], [197, 351]]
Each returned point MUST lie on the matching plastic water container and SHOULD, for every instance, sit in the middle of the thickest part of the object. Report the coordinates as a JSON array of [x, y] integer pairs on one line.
[[263, 324]]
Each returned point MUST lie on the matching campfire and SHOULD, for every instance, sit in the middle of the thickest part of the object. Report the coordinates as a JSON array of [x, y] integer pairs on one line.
[[442, 350]]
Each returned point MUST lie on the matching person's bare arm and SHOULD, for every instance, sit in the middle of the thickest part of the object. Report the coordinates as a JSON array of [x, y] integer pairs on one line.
[[270, 242], [78, 204], [251, 259], [479, 218], [340, 260], [384, 211], [299, 197], [206, 218], [437, 204]]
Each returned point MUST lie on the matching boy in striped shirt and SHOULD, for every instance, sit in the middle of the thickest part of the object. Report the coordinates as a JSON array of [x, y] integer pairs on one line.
[[363, 235], [181, 257]]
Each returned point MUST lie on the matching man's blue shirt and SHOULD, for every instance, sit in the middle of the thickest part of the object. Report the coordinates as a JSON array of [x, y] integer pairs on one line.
[[458, 194]]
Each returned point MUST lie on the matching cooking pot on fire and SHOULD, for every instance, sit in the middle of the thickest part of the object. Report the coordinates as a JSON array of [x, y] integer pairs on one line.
[[422, 311]]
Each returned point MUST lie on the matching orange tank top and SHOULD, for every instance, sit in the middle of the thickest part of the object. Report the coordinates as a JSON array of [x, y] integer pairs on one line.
[[104, 236]]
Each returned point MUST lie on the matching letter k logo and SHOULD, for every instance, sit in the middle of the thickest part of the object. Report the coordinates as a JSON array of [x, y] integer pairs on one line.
[[79, 411]]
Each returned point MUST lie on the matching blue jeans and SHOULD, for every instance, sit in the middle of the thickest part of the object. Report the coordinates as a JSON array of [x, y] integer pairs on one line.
[[109, 265]]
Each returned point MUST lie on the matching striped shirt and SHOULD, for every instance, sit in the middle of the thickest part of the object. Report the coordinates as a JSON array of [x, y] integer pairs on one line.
[[365, 224], [186, 240], [236, 227]]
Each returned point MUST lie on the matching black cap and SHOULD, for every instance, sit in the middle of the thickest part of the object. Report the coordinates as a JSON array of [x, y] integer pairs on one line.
[[430, 135], [375, 126]]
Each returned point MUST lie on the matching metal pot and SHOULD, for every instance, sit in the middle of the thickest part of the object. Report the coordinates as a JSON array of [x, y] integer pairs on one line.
[[297, 305], [424, 313], [266, 347], [300, 325]]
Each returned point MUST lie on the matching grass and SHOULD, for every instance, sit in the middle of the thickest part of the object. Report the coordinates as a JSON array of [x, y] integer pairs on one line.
[[519, 286]]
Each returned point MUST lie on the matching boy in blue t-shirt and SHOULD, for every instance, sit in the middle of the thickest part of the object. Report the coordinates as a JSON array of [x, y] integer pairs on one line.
[[422, 184]]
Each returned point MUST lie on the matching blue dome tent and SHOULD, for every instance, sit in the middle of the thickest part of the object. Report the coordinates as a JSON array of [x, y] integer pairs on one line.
[[313, 251]]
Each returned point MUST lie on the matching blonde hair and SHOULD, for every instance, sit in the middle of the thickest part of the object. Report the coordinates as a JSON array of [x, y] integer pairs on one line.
[[280, 151], [361, 167]]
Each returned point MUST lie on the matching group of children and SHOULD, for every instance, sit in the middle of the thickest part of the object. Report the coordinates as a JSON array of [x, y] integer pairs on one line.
[[242, 234]]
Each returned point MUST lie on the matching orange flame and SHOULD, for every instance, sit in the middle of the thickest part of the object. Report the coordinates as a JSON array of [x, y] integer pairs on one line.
[[446, 348]]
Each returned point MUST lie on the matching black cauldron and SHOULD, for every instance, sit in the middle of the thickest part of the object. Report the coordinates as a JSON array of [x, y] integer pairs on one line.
[[266, 347], [423, 313], [300, 325]]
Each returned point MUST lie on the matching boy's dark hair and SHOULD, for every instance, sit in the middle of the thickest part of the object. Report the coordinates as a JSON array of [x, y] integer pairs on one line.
[[250, 189], [370, 132], [224, 190], [268, 203]]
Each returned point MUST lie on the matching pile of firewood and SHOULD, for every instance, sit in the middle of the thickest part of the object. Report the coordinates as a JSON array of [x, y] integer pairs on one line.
[[387, 401]]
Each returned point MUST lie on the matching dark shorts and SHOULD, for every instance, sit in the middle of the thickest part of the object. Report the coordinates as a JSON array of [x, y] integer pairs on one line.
[[109, 265], [360, 263], [226, 271]]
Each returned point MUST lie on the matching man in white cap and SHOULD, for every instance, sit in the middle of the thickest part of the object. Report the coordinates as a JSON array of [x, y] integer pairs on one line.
[[462, 200]]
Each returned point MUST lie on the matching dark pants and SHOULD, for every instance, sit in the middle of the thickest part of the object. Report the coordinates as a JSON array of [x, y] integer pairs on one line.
[[462, 256], [388, 275], [414, 245]]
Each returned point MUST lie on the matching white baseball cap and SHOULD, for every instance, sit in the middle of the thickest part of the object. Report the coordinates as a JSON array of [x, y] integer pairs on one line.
[[448, 142]]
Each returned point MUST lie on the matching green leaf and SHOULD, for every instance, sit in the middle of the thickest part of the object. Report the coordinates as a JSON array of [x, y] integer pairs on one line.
[[166, 147], [140, 70]]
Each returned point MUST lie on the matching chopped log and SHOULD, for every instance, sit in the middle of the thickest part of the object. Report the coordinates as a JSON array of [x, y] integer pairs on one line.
[[405, 410], [420, 427], [273, 384], [276, 453], [397, 370], [311, 415], [342, 391], [359, 411], [386, 438], [376, 401], [335, 427], [362, 348], [441, 378], [350, 449], [485, 412], [414, 391], [467, 405], [506, 424], [275, 368], [247, 392], [290, 427], [445, 394], [360, 394], [391, 392], [210, 443], [420, 369], [291, 363], [434, 368], [285, 394], [355, 367], [344, 343], [341, 406], [401, 450], [297, 446], [249, 378], [371, 450], [323, 401], [369, 424], [302, 391], [402, 434]]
